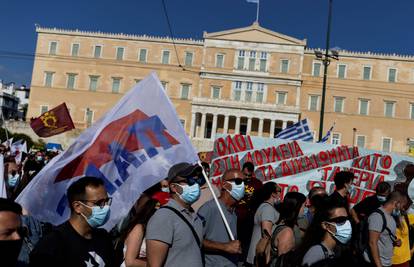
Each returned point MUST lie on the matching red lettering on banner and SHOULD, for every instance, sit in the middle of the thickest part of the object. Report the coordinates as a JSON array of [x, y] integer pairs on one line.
[[332, 155], [249, 139], [282, 188], [298, 150], [234, 161], [271, 173], [297, 163], [286, 171], [323, 157], [355, 152], [284, 152], [341, 154], [293, 188], [309, 164], [216, 168], [262, 171], [230, 145], [375, 157], [356, 163], [216, 182], [258, 158], [240, 142], [347, 152], [325, 173], [275, 154], [267, 152], [221, 147], [249, 157], [386, 162], [290, 150], [378, 179]]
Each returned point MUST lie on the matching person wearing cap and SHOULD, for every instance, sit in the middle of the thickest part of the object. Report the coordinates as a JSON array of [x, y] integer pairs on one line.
[[79, 241], [220, 250], [10, 237], [174, 233]]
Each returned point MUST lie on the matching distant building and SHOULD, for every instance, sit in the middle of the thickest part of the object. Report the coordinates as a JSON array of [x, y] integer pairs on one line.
[[249, 80], [14, 100]]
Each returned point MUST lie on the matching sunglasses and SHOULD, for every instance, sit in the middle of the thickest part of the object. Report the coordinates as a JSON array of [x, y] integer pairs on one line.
[[237, 181], [193, 180], [100, 203], [338, 220]]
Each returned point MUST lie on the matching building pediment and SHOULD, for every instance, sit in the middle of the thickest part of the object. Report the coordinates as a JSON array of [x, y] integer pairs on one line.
[[254, 33]]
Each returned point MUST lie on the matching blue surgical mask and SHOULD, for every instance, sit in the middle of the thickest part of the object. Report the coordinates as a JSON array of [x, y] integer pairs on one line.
[[165, 189], [39, 158], [12, 181], [381, 199], [343, 232], [237, 191], [396, 213], [98, 217], [191, 193]]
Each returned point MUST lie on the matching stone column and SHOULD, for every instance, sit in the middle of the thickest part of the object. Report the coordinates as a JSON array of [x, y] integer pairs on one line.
[[193, 124], [237, 129], [226, 124], [203, 125], [261, 127], [214, 127], [272, 128], [284, 125], [249, 126]]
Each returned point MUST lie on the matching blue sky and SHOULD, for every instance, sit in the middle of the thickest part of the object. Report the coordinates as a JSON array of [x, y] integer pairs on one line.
[[361, 25]]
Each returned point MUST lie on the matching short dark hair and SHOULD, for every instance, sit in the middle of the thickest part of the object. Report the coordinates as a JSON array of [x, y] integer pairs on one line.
[[205, 165], [342, 178], [76, 190], [249, 166], [394, 196], [10, 205], [383, 188], [314, 190]]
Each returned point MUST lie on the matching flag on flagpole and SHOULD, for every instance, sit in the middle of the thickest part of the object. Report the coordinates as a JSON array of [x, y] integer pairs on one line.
[[253, 1], [328, 134], [130, 148], [298, 131], [53, 122]]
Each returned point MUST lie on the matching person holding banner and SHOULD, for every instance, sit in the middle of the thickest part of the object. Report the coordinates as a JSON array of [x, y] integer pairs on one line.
[[219, 249], [79, 242], [174, 233]]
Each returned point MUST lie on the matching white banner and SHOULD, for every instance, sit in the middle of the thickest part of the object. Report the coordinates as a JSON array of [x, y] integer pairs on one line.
[[299, 166], [131, 148]]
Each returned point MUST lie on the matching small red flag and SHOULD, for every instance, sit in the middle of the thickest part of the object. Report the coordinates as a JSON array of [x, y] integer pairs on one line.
[[53, 122]]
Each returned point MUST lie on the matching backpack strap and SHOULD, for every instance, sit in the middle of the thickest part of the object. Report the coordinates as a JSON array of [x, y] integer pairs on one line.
[[277, 230], [186, 221], [325, 251], [384, 225]]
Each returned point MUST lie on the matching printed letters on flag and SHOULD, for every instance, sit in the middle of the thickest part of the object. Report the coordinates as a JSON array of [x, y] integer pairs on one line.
[[53, 122], [130, 148], [298, 131]]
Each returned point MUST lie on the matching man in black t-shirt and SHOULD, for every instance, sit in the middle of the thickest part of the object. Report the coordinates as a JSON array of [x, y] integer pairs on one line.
[[343, 183], [78, 242], [364, 208]]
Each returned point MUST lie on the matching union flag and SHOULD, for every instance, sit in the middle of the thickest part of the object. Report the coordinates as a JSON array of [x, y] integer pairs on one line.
[[53, 122]]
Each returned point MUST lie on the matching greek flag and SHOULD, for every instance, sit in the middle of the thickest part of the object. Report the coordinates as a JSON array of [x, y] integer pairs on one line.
[[298, 131], [326, 137]]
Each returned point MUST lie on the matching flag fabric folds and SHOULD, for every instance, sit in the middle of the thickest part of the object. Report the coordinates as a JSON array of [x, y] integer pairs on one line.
[[130, 148], [253, 1], [328, 134], [53, 122], [298, 131]]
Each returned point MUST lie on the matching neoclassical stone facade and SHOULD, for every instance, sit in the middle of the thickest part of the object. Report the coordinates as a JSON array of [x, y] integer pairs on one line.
[[249, 80]]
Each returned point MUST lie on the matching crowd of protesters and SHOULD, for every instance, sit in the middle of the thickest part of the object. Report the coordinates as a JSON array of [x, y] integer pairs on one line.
[[177, 223]]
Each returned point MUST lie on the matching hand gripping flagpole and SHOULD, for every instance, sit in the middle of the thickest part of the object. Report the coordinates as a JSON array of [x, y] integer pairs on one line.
[[226, 223]]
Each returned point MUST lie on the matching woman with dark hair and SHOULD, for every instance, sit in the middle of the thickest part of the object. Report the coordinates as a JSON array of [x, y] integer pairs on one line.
[[134, 233], [329, 227], [284, 238], [265, 217]]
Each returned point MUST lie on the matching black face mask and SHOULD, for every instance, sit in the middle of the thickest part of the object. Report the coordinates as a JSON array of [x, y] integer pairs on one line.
[[9, 251]]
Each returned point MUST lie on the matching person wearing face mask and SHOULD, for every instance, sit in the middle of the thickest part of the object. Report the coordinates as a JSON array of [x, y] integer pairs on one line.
[[343, 188], [364, 208], [330, 227], [219, 249], [165, 186], [265, 217], [78, 241], [382, 232], [10, 234], [174, 233]]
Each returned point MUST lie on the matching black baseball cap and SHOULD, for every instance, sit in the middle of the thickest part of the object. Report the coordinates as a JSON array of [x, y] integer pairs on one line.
[[184, 170]]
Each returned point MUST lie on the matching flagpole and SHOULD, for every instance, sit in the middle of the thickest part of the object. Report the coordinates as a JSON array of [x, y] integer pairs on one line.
[[226, 223], [257, 12], [5, 127]]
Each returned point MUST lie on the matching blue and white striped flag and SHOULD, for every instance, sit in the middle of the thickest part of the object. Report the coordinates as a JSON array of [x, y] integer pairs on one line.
[[253, 1], [298, 131], [326, 137]]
